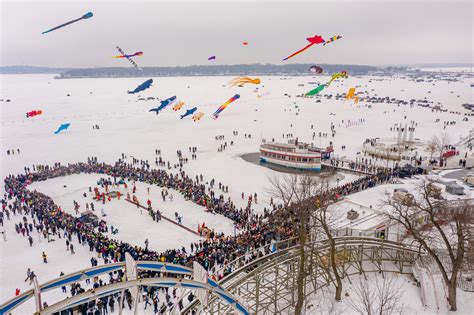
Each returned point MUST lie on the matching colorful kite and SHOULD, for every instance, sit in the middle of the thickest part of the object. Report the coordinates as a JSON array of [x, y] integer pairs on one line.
[[351, 96], [332, 39], [88, 15], [62, 127], [240, 81], [189, 112], [212, 58], [138, 53], [198, 116], [142, 87], [316, 39], [129, 57], [164, 104], [316, 69], [178, 106], [316, 90], [223, 106], [337, 75], [34, 113]]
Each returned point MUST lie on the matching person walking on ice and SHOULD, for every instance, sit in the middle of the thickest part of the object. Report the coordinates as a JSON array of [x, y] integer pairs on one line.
[[45, 258]]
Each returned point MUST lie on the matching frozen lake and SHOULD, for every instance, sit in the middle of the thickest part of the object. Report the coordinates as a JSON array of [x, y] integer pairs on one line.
[[127, 127]]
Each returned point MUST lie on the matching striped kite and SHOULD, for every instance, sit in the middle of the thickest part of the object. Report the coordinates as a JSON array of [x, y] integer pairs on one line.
[[223, 106]]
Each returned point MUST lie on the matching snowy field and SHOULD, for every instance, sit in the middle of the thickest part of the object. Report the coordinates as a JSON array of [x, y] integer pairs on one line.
[[127, 127]]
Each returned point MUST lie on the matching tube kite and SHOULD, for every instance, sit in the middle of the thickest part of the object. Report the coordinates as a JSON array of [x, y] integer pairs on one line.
[[223, 106], [34, 113], [212, 58], [240, 81], [62, 127], [178, 106], [316, 90], [189, 112], [316, 39], [138, 53], [198, 116], [332, 39], [88, 15], [142, 87], [129, 57], [164, 104], [337, 75]]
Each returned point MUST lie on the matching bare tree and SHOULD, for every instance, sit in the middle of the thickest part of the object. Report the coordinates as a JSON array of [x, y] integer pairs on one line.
[[324, 223], [441, 228], [376, 297], [431, 148], [296, 192], [440, 143]]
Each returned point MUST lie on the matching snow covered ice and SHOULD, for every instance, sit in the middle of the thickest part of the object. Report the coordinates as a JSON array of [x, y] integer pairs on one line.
[[127, 126]]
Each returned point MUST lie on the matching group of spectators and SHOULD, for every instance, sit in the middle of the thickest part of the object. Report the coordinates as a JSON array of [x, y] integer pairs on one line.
[[214, 252]]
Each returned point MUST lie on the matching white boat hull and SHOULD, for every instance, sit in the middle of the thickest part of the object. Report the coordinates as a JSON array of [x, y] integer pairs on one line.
[[291, 164]]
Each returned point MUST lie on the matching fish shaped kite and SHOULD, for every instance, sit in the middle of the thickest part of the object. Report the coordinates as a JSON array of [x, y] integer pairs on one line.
[[223, 106], [316, 39], [332, 39], [142, 87], [88, 15], [189, 112], [62, 127], [129, 57], [178, 106], [316, 90], [198, 116], [240, 81], [337, 75], [34, 113], [212, 58], [164, 104]]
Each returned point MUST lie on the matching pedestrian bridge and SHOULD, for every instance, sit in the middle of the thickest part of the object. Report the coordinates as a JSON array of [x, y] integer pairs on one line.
[[268, 284], [176, 276]]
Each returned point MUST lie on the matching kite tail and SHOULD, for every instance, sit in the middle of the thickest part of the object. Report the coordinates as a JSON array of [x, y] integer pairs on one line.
[[130, 92], [299, 51], [182, 116]]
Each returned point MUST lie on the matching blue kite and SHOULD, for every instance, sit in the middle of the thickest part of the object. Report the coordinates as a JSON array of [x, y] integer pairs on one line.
[[88, 15], [164, 104], [142, 87], [189, 112], [62, 127]]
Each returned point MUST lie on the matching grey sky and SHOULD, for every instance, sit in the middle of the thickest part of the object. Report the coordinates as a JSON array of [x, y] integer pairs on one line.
[[177, 33]]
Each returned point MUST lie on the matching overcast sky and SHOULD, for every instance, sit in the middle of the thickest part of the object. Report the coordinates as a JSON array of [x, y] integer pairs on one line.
[[179, 33]]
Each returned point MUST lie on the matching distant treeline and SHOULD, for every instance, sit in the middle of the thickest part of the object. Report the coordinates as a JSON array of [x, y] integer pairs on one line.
[[216, 70], [31, 70], [198, 70]]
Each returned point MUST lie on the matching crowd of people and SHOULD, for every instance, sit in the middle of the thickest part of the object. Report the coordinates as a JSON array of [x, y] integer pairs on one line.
[[214, 252]]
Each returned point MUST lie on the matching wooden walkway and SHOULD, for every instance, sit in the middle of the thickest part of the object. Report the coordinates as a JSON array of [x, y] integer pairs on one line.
[[166, 218]]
